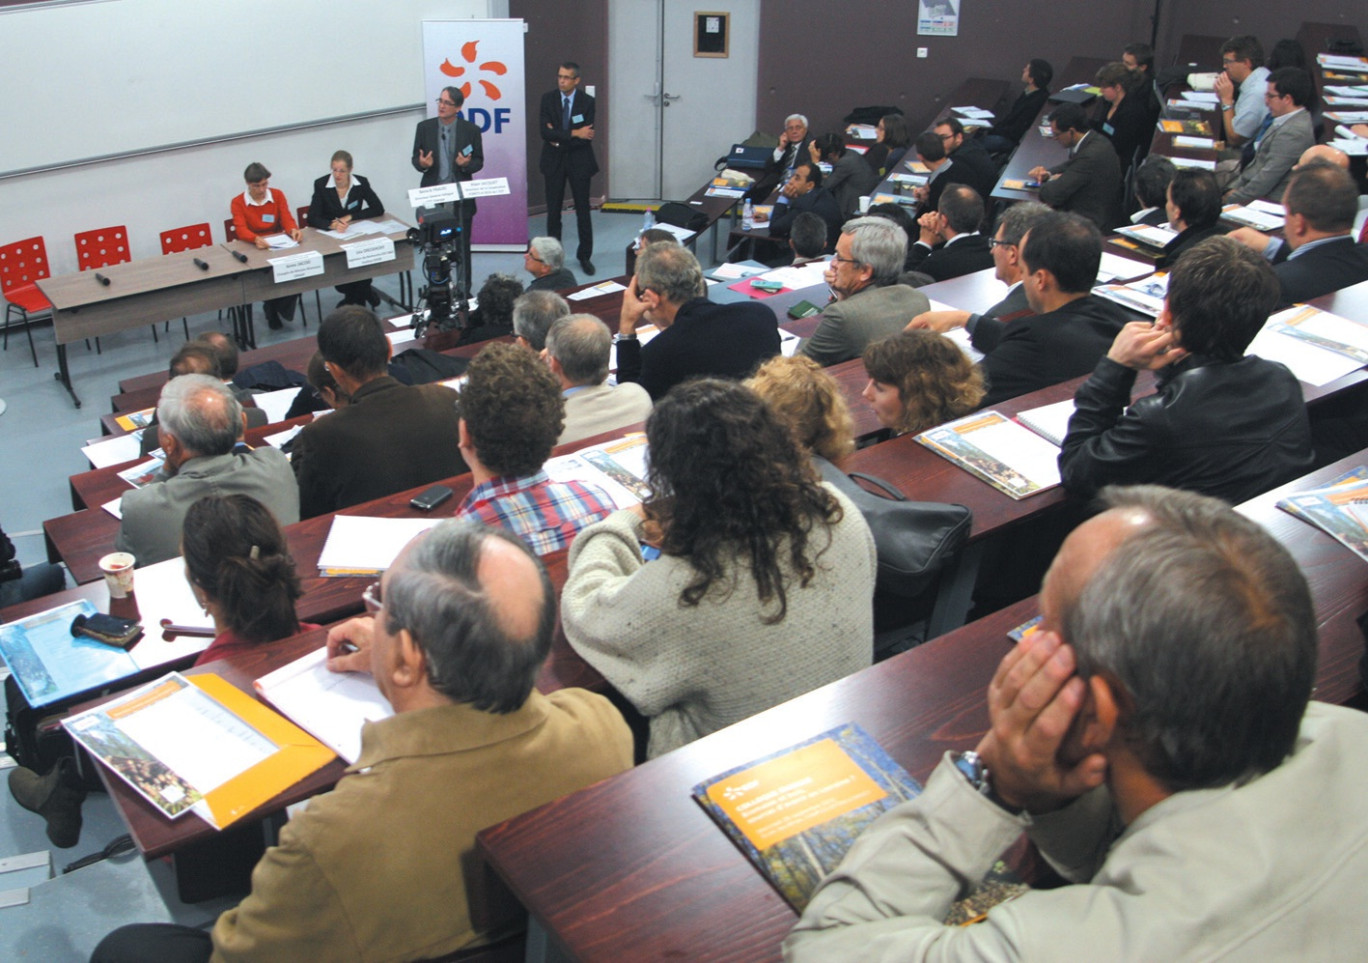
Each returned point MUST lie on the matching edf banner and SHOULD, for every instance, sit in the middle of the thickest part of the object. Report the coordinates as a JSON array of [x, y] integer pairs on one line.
[[484, 58]]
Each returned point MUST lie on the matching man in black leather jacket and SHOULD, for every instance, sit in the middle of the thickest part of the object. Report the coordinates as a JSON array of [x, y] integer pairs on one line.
[[1220, 423]]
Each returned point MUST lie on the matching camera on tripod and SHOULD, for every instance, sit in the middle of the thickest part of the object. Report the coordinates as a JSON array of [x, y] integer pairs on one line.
[[439, 235]]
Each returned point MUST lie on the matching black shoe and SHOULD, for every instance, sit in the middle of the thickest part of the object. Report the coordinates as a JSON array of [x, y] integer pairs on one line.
[[586, 265], [272, 317], [57, 797]]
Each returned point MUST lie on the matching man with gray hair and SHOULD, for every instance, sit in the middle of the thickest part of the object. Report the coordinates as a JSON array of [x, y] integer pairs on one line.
[[577, 351], [533, 314], [384, 866], [199, 422], [696, 337], [545, 261], [791, 149], [867, 303], [1156, 740], [1007, 268]]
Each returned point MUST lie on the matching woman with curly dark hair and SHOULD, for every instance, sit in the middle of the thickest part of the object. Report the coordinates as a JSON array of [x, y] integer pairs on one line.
[[919, 379], [493, 318], [240, 569], [764, 581]]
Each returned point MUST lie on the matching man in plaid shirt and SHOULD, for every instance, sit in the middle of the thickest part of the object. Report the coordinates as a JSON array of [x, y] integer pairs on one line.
[[512, 413]]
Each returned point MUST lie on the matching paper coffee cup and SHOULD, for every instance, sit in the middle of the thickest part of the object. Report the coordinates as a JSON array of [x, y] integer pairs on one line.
[[118, 572], [864, 203]]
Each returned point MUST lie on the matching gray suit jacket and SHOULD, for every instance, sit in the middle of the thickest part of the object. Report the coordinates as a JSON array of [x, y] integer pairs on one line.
[[849, 325], [152, 515], [601, 408], [1267, 174]]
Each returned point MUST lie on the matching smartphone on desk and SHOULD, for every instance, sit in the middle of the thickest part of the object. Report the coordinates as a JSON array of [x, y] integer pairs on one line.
[[426, 501]]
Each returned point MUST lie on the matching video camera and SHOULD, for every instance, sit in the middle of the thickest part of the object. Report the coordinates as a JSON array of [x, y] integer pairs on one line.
[[439, 234]]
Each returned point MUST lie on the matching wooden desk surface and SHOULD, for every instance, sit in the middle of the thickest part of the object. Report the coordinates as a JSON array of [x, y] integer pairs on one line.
[[634, 868]]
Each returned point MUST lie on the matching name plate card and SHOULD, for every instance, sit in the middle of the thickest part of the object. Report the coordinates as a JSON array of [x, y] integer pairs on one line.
[[369, 252], [434, 195], [305, 264], [488, 187]]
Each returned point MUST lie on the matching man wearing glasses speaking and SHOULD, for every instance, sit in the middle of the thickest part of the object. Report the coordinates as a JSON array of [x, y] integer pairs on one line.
[[446, 149]]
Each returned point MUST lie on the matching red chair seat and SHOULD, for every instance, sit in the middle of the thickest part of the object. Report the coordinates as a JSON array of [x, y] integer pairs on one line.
[[29, 298]]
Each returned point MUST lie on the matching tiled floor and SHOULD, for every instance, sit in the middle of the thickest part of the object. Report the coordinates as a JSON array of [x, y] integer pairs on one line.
[[41, 435]]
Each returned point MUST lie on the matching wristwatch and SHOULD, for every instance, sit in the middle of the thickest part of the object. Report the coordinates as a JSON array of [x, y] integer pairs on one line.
[[1227, 106], [623, 337], [971, 765]]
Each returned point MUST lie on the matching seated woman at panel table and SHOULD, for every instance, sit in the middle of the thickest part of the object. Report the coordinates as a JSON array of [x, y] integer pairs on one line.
[[258, 213], [919, 379], [339, 199], [764, 582], [892, 142], [240, 569], [810, 402], [850, 177]]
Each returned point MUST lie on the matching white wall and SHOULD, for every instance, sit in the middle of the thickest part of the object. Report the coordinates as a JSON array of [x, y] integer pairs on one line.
[[339, 56]]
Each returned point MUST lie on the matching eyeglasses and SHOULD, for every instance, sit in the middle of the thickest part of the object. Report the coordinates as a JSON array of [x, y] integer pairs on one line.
[[528, 253], [446, 103], [837, 259], [371, 598], [994, 242]]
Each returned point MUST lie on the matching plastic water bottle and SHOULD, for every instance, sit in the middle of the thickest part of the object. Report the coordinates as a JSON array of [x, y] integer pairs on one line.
[[648, 221], [747, 215]]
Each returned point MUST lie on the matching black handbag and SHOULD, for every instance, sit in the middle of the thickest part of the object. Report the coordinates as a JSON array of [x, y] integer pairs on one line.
[[915, 540]]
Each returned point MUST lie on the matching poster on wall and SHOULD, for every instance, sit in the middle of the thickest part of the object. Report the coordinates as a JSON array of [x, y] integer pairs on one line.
[[484, 59], [938, 18]]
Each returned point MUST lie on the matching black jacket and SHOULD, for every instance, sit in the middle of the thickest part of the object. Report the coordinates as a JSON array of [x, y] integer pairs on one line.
[[326, 207], [1044, 349], [820, 202], [1021, 115], [1185, 239], [945, 261], [719, 340], [1232, 430], [1327, 267]]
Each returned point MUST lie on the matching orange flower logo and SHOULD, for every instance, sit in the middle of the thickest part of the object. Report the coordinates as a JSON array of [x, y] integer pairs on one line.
[[468, 54]]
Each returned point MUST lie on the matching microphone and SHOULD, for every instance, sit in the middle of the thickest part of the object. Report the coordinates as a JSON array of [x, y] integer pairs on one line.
[[102, 279], [239, 255], [202, 265]]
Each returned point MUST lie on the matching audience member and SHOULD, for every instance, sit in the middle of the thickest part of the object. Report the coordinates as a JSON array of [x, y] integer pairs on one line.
[[387, 436], [792, 148], [1139, 59], [1006, 133], [1279, 149], [807, 238], [1089, 182], [203, 357], [381, 866], [804, 192], [1123, 115], [850, 178], [240, 570], [493, 318], [511, 416], [918, 380], [544, 259], [974, 166], [763, 586], [867, 303], [936, 159], [199, 423], [1157, 743], [653, 235], [697, 337], [809, 400], [578, 348], [1317, 253], [949, 244], [1242, 70], [1071, 327], [1220, 423], [1152, 179], [892, 139], [19, 583], [1194, 210], [258, 213], [533, 315], [1012, 227]]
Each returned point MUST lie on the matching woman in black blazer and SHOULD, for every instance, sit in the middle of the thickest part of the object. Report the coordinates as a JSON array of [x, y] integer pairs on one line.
[[338, 199]]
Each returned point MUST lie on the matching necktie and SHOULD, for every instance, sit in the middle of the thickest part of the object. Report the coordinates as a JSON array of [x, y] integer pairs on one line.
[[565, 112], [1363, 234]]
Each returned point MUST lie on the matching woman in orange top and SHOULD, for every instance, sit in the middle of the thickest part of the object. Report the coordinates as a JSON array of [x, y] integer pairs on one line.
[[259, 212]]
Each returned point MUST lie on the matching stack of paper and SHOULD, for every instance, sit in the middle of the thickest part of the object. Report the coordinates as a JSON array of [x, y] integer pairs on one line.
[[1149, 235], [863, 132], [358, 545], [1340, 509], [1050, 422], [1261, 215], [135, 419], [331, 706], [1011, 458], [618, 467], [1318, 347], [276, 404], [1145, 295], [115, 450]]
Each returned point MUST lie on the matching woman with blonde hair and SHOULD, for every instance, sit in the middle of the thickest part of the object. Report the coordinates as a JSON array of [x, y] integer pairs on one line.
[[809, 401], [920, 379]]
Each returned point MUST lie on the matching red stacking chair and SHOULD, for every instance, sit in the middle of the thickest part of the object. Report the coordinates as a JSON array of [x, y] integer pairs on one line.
[[185, 239], [22, 265], [100, 248]]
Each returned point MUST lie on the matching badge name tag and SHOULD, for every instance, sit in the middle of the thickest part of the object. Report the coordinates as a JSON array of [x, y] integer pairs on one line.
[[577, 119]]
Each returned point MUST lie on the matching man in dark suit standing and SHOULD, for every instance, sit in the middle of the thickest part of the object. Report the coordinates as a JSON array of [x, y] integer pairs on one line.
[[446, 149], [566, 125]]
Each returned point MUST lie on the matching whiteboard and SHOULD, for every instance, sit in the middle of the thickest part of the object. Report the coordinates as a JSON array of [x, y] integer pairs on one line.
[[110, 77]]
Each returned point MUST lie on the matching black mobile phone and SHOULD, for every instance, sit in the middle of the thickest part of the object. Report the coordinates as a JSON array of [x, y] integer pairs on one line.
[[109, 629], [430, 499]]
